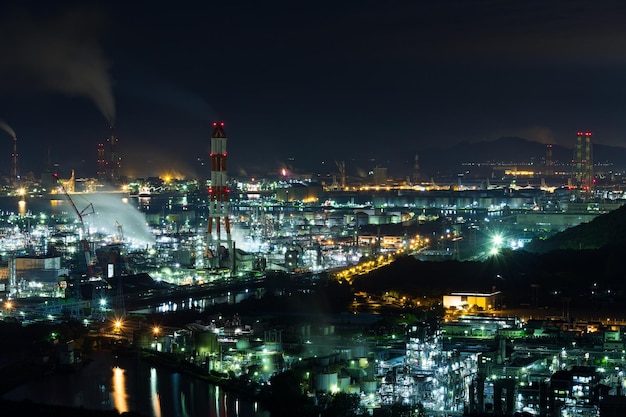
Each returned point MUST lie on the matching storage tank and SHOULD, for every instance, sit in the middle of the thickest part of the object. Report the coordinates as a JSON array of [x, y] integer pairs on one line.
[[326, 381], [369, 387], [344, 384], [345, 354], [359, 351]]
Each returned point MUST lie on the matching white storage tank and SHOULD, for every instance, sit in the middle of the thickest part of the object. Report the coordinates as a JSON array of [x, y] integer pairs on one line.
[[344, 384], [327, 382], [369, 387]]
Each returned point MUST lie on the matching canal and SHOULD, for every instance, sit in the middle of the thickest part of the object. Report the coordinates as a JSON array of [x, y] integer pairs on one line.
[[127, 384]]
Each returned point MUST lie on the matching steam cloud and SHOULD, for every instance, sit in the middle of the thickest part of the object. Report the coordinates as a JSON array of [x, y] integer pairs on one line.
[[111, 210], [61, 54], [4, 126]]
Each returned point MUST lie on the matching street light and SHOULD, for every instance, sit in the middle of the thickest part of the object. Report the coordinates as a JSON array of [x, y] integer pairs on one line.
[[8, 307], [155, 331]]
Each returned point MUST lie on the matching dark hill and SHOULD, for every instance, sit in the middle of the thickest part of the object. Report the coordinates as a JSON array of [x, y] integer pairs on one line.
[[588, 278], [606, 230]]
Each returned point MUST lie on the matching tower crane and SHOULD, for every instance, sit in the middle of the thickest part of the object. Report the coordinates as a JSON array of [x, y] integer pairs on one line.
[[84, 241]]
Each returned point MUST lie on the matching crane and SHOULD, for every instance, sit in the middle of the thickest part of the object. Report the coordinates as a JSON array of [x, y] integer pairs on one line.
[[87, 210], [120, 231]]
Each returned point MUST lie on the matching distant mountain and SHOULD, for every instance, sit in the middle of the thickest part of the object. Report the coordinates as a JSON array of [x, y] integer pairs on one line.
[[510, 150], [437, 161]]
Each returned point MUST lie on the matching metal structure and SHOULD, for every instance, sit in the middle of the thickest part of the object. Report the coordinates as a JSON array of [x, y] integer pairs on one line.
[[342, 173], [16, 173], [549, 162], [102, 171], [85, 232], [219, 248], [416, 170], [583, 165], [113, 162]]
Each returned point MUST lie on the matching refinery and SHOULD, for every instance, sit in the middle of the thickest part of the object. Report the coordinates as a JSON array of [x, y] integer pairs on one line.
[[108, 249]]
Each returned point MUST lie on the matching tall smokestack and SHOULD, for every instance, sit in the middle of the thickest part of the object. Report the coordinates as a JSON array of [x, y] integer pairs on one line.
[[16, 172], [588, 184], [218, 202], [102, 170], [416, 170], [113, 161], [549, 163]]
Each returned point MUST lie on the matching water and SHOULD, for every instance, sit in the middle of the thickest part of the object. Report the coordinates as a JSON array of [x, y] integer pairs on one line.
[[126, 384]]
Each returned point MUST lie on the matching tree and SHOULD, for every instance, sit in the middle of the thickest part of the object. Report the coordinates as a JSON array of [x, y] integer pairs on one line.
[[286, 397], [342, 404]]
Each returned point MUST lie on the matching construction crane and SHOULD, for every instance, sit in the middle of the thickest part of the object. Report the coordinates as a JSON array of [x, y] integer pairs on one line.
[[120, 231], [84, 241]]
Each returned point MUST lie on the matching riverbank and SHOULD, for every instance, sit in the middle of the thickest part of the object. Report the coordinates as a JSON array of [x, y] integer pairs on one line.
[[240, 386], [128, 385]]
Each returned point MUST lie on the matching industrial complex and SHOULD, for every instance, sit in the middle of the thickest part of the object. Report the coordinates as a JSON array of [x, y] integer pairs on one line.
[[108, 249]]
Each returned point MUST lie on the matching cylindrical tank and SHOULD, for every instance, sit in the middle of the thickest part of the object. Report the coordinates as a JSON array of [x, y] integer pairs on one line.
[[346, 354], [359, 351], [326, 381], [323, 361], [344, 384], [369, 387]]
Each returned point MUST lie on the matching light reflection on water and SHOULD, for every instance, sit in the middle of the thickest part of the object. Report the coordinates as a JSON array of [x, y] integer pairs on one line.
[[201, 304], [119, 390], [128, 384], [154, 394]]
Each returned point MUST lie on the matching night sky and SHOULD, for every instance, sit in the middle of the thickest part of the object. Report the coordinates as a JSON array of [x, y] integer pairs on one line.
[[302, 83]]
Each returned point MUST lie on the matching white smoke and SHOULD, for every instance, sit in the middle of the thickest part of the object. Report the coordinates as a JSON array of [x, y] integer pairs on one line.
[[243, 240], [4, 126], [112, 213], [59, 54]]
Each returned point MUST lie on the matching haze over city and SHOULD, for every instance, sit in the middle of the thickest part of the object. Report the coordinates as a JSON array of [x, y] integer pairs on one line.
[[302, 84]]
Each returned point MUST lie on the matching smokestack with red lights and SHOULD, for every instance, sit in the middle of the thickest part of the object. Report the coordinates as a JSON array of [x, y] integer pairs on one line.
[[218, 202], [588, 183], [113, 163], [16, 172], [549, 163], [102, 170], [416, 170], [583, 165]]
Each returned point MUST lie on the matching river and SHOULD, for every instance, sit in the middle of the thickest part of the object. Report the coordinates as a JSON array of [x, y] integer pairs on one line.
[[127, 384]]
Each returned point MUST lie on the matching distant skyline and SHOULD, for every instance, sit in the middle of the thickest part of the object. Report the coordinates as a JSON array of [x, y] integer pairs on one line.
[[302, 83]]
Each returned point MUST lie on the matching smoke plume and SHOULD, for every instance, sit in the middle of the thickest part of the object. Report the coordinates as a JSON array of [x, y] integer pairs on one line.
[[59, 54], [4, 126]]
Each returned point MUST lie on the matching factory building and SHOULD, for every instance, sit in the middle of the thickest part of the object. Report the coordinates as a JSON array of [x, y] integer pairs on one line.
[[471, 300], [32, 275]]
